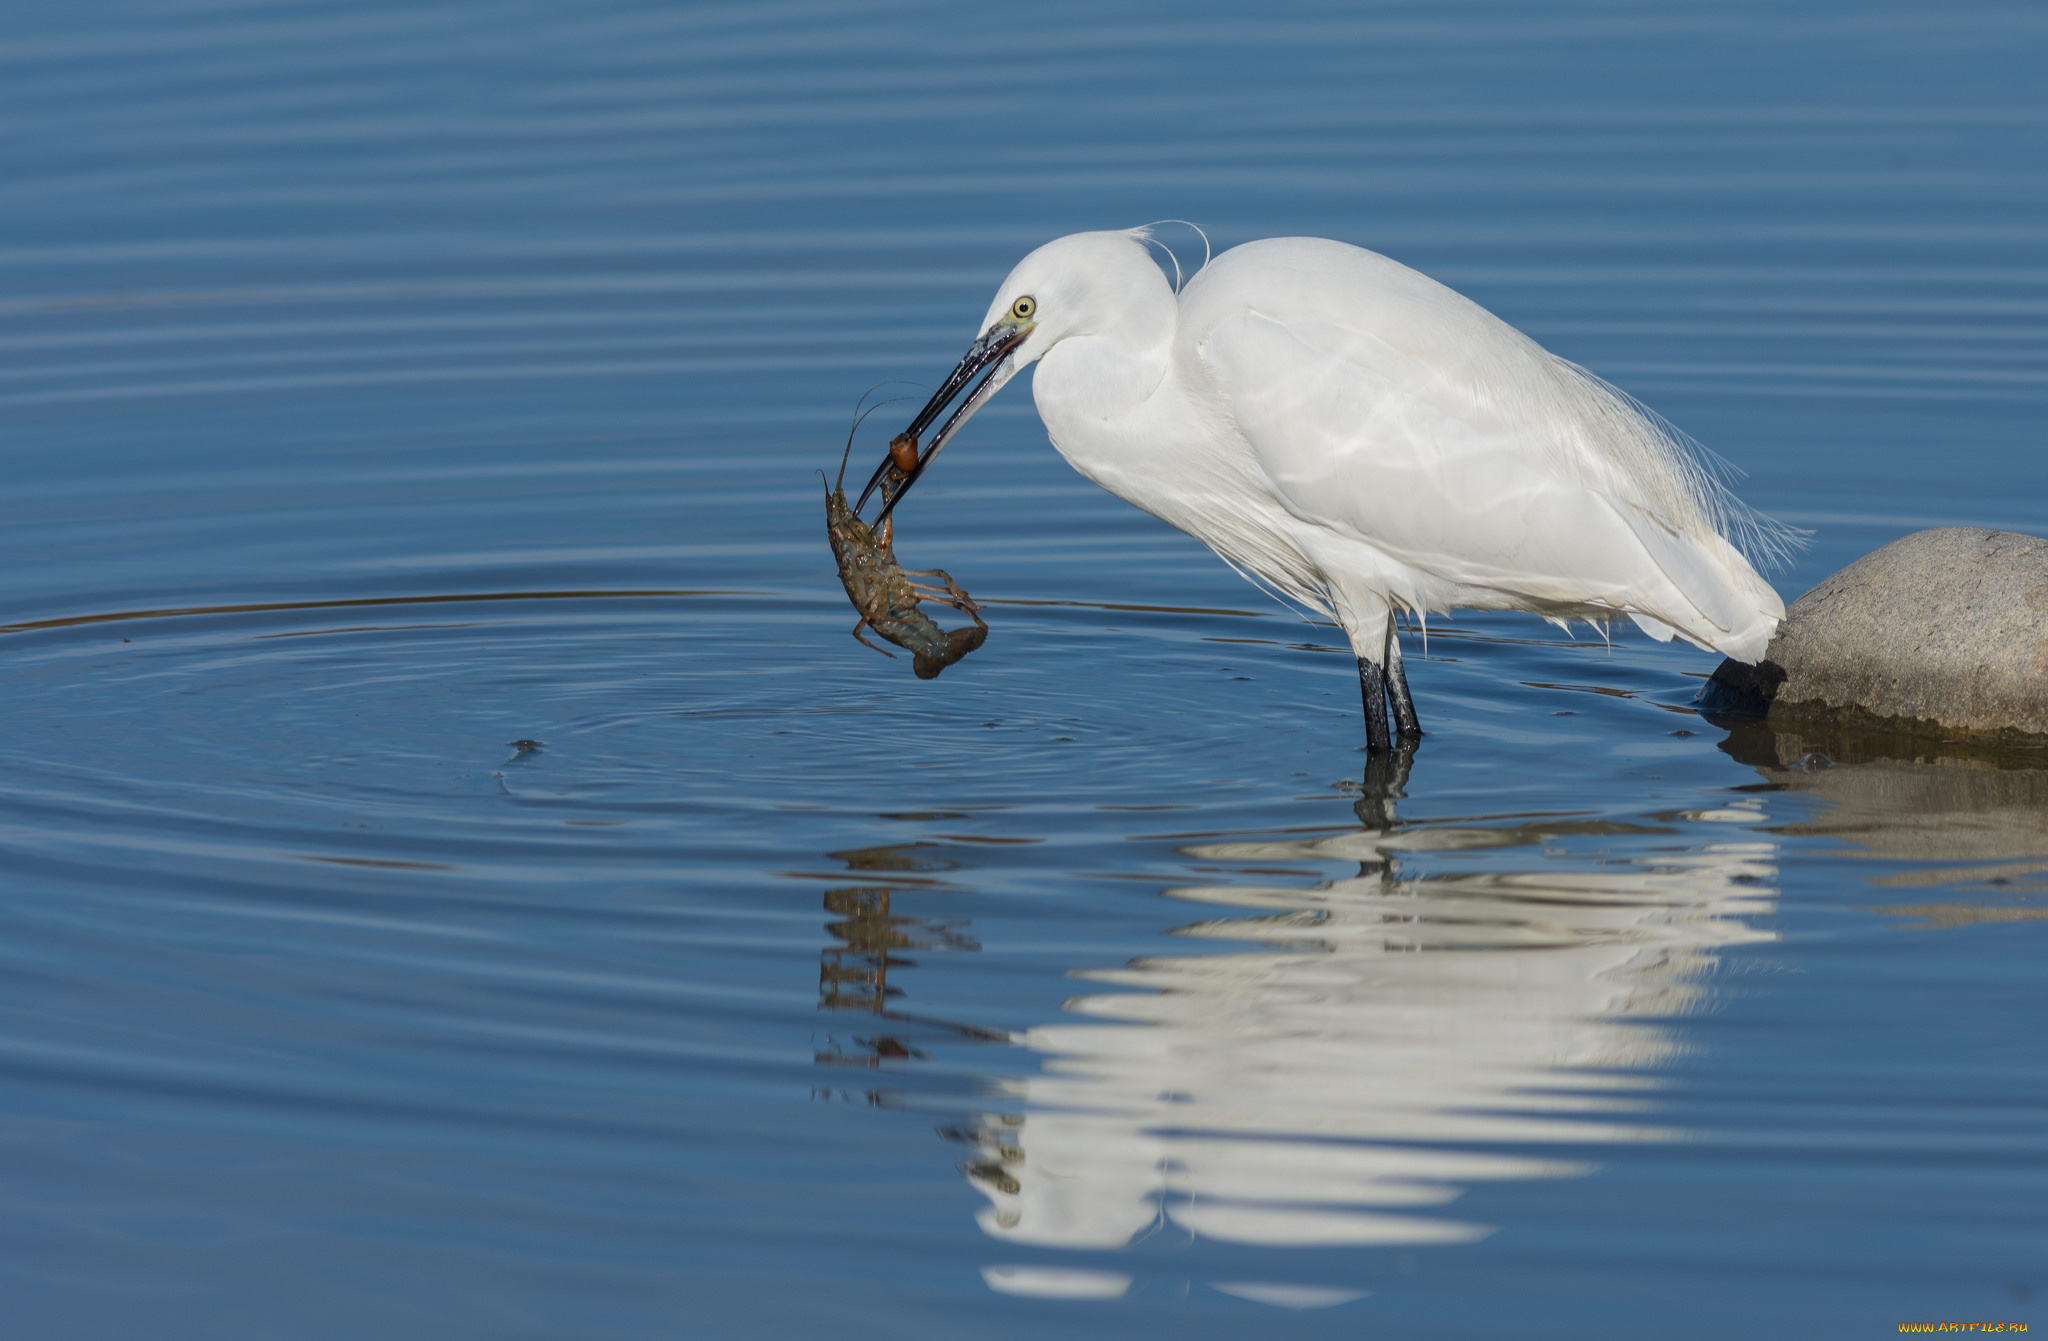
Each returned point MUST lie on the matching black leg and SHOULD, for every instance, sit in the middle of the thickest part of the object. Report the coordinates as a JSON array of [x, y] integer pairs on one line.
[[1406, 724], [1372, 687]]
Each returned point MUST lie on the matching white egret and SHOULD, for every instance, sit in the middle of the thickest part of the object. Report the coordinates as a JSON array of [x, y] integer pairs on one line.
[[1363, 441]]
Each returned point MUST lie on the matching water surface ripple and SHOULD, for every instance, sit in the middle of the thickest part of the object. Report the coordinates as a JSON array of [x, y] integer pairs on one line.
[[461, 879]]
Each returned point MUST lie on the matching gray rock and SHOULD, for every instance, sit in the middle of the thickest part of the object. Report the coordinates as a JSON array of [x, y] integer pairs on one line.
[[1946, 627]]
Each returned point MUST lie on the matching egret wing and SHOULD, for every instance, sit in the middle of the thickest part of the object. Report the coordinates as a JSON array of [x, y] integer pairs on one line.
[[1437, 463]]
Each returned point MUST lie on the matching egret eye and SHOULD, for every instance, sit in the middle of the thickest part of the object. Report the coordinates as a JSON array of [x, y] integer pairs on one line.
[[1024, 308]]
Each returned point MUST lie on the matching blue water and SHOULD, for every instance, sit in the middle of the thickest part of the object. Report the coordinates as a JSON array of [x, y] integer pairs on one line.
[[385, 385]]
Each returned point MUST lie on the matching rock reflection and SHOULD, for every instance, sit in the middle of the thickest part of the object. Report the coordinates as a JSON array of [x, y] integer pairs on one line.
[[1345, 1081], [1978, 812]]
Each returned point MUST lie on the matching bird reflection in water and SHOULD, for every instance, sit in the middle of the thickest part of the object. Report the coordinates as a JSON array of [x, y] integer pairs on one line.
[[1344, 1082], [1369, 1047]]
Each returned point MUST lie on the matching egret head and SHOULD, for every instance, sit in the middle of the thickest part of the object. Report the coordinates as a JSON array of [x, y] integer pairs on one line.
[[1080, 285]]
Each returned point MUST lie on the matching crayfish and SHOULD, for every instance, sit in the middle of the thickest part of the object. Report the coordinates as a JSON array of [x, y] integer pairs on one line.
[[881, 589]]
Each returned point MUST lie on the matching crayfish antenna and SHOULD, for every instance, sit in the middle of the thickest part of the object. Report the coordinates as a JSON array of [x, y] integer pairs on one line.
[[860, 417]]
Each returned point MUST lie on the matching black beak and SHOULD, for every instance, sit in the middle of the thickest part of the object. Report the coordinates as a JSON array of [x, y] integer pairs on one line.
[[987, 353]]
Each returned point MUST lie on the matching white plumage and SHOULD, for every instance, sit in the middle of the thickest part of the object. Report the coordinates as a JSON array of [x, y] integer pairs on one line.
[[1364, 441]]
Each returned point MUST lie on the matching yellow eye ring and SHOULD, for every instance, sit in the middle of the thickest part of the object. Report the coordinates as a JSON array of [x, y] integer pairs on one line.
[[1024, 308]]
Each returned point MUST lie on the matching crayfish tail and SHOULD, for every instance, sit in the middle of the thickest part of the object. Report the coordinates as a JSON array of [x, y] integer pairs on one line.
[[958, 644]]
